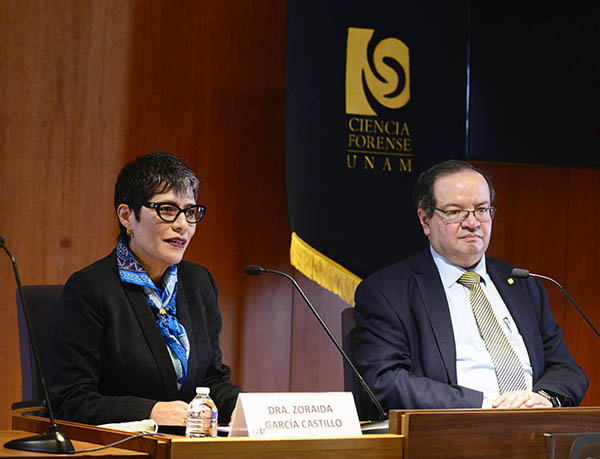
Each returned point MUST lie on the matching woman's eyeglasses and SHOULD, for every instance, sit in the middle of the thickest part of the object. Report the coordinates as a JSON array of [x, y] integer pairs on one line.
[[169, 212]]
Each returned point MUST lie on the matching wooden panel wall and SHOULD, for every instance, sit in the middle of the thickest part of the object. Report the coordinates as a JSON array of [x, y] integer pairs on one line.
[[583, 271], [547, 223], [63, 109], [207, 83], [87, 86]]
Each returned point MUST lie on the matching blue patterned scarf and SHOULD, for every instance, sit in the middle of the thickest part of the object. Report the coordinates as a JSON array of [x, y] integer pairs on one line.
[[162, 299]]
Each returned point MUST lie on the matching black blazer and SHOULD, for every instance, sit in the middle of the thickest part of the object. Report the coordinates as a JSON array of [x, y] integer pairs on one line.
[[404, 340], [113, 361]]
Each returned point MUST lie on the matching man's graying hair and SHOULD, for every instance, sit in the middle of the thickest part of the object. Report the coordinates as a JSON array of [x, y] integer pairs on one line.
[[149, 175], [423, 194]]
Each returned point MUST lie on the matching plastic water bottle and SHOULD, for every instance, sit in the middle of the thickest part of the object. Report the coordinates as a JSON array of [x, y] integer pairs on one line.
[[202, 415]]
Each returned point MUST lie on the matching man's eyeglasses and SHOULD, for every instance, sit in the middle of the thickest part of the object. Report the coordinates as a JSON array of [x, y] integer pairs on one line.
[[169, 212], [483, 214]]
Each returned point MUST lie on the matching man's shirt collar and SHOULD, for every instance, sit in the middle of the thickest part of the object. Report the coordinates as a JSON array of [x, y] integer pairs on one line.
[[449, 272]]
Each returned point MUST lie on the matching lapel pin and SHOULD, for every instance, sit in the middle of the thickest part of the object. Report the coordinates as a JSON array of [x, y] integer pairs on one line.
[[510, 281]]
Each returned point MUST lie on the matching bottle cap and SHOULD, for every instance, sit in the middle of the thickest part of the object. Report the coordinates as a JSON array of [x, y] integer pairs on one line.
[[203, 390]]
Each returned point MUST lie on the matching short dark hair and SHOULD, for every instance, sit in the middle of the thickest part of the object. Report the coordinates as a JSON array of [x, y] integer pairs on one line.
[[423, 194], [149, 175]]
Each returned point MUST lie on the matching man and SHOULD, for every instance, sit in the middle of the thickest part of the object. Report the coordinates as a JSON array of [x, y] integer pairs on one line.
[[449, 327]]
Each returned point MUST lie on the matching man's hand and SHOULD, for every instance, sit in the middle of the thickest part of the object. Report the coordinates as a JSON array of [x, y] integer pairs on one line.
[[521, 399], [169, 413]]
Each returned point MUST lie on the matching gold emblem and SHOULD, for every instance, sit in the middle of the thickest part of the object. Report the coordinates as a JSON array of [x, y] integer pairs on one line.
[[383, 81]]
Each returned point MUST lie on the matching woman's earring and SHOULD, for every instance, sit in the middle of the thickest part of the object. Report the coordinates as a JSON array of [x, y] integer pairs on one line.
[[129, 232]]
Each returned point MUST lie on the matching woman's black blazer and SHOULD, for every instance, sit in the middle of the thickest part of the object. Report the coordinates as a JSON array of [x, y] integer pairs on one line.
[[113, 361]]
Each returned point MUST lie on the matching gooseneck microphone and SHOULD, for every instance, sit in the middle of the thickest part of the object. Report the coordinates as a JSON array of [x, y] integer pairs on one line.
[[54, 441], [524, 274], [380, 426]]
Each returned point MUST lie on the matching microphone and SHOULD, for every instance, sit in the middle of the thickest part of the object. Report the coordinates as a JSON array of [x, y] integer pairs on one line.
[[54, 441], [524, 274], [254, 270], [380, 426]]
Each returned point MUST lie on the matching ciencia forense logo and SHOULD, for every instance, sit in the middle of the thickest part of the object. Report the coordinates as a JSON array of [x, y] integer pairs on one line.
[[381, 80]]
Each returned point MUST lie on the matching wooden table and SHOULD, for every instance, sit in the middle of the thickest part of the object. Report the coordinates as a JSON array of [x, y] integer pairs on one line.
[[371, 446], [476, 433], [382, 446], [113, 452]]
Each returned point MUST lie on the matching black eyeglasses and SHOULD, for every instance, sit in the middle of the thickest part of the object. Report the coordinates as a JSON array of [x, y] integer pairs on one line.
[[483, 214], [169, 212]]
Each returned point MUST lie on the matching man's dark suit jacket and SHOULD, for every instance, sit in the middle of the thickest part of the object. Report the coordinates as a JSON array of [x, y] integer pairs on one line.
[[114, 363], [404, 340]]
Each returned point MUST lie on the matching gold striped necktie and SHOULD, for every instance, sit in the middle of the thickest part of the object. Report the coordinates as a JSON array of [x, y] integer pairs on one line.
[[509, 369]]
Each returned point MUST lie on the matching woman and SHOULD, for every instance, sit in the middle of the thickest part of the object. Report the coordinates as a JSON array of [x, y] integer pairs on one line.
[[139, 329]]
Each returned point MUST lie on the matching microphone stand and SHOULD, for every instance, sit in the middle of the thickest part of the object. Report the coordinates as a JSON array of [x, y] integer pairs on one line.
[[53, 441], [517, 272], [379, 426], [570, 300]]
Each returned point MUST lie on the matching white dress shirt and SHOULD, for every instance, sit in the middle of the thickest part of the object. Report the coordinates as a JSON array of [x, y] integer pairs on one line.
[[474, 367]]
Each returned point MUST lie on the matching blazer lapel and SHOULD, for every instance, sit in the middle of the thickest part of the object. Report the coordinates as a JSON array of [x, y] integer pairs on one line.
[[435, 305], [183, 316], [154, 339], [513, 298]]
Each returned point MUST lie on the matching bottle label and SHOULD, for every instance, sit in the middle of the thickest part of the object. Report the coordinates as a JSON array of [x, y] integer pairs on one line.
[[202, 418]]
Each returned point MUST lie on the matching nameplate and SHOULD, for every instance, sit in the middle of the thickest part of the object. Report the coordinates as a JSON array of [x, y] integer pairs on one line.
[[294, 414]]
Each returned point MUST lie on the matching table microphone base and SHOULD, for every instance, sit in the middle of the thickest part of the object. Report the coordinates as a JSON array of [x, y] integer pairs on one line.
[[52, 442], [375, 427]]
